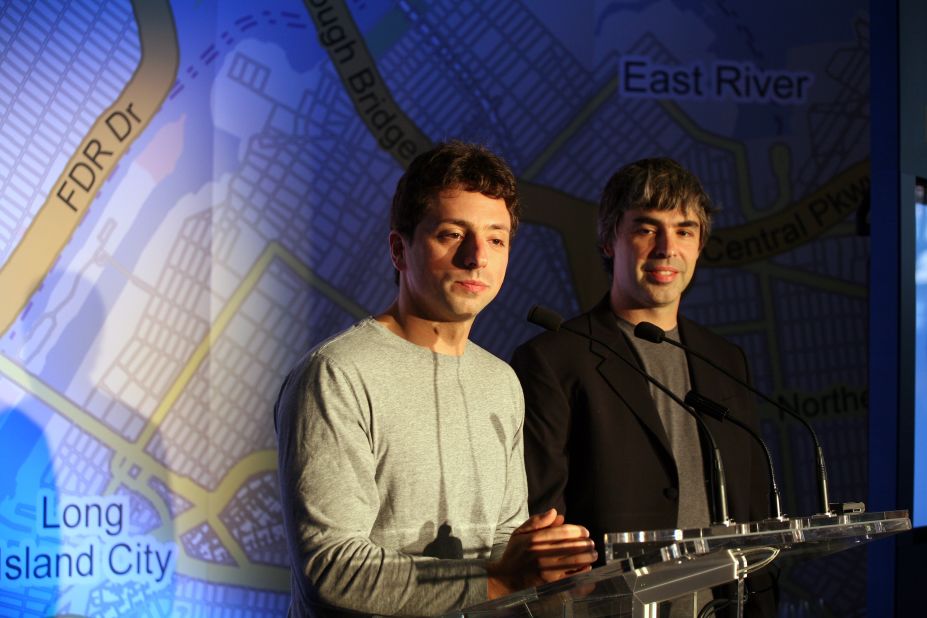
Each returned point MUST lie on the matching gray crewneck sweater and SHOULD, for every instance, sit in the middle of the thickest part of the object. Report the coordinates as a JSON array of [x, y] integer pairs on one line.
[[401, 472]]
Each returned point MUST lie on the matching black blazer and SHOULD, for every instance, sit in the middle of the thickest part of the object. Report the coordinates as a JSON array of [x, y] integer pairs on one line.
[[595, 447]]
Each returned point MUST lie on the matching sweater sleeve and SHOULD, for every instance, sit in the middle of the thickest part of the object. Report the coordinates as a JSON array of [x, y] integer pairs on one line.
[[330, 503], [514, 505]]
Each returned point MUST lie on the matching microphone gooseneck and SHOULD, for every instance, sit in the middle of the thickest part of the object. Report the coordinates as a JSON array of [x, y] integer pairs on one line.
[[553, 321], [652, 332], [721, 413]]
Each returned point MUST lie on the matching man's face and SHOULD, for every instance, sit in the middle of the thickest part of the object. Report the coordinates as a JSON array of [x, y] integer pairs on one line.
[[654, 254], [457, 259]]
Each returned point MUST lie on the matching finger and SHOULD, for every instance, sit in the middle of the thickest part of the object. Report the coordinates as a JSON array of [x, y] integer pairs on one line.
[[537, 522], [567, 562], [578, 547], [558, 533], [576, 571], [563, 558], [553, 575], [563, 547]]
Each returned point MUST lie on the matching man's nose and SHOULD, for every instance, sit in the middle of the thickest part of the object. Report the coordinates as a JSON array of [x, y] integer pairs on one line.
[[666, 245], [473, 252]]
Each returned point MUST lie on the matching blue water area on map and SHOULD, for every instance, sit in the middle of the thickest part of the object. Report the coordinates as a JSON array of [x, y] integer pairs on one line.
[[206, 26], [26, 454], [25, 451]]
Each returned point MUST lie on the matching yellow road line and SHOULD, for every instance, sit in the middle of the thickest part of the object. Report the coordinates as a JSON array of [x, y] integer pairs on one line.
[[34, 385], [261, 576], [736, 148], [817, 281], [780, 157], [255, 463], [231, 308], [247, 572], [202, 350], [258, 462], [87, 170], [578, 120], [323, 286]]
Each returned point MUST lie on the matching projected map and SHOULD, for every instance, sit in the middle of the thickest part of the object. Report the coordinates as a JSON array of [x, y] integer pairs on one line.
[[194, 194]]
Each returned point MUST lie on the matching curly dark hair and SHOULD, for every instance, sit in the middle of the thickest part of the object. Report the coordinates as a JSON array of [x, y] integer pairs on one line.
[[451, 165]]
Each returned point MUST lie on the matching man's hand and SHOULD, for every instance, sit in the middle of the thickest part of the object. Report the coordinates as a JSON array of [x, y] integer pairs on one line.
[[541, 550]]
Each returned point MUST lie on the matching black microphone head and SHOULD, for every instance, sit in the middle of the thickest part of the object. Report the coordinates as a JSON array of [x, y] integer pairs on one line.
[[705, 405], [545, 318], [649, 332]]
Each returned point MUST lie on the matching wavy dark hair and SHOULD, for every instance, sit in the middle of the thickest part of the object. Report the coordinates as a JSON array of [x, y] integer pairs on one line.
[[659, 183]]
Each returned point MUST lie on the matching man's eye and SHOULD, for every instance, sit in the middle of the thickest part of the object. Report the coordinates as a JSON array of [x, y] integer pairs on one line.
[[499, 242], [450, 235]]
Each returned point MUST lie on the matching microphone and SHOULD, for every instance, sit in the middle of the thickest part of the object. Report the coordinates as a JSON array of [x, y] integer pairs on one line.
[[721, 413], [650, 332], [552, 321], [655, 334], [548, 319]]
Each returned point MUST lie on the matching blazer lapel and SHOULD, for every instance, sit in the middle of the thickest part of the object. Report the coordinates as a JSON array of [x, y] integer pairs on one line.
[[704, 379], [626, 383], [698, 379]]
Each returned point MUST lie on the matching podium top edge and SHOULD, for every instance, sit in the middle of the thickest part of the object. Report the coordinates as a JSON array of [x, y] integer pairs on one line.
[[898, 520]]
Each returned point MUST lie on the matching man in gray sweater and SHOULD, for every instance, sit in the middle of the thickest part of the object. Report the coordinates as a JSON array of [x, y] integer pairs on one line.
[[400, 441]]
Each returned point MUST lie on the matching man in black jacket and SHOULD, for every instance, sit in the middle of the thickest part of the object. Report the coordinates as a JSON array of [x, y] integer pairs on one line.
[[602, 445]]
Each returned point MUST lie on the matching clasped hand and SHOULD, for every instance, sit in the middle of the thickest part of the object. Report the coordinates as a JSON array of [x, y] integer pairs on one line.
[[543, 549]]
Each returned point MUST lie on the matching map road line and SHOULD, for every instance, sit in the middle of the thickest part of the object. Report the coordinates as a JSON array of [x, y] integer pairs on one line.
[[86, 171], [272, 251], [246, 573], [737, 150], [581, 117]]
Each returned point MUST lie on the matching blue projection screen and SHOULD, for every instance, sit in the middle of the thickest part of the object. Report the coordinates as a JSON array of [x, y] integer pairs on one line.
[[193, 194], [919, 502]]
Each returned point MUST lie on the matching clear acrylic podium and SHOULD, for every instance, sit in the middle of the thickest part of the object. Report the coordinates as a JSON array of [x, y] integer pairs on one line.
[[645, 569]]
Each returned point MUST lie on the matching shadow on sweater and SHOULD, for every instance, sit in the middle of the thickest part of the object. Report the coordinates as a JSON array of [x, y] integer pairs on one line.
[[445, 545]]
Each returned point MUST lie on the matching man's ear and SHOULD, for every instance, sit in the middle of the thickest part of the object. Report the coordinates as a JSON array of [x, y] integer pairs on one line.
[[703, 242], [397, 250]]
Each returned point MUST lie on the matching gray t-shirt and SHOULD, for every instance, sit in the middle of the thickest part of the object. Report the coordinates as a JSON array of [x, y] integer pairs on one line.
[[401, 472], [668, 364]]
